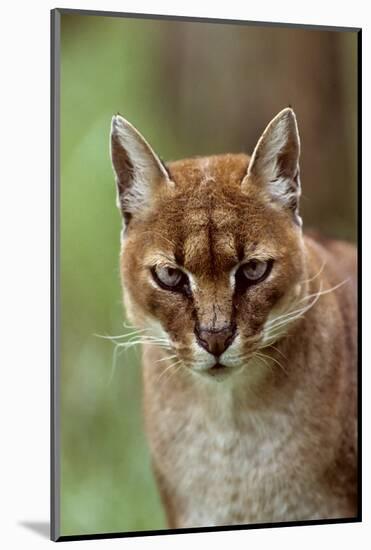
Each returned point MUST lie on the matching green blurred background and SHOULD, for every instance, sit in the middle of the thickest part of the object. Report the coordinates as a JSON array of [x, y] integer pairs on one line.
[[192, 89]]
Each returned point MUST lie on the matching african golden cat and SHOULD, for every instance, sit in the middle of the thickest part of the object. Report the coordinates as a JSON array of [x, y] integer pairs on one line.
[[248, 329]]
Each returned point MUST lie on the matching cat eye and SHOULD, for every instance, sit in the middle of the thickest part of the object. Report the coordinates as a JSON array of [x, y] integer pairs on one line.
[[254, 269], [253, 272], [169, 278]]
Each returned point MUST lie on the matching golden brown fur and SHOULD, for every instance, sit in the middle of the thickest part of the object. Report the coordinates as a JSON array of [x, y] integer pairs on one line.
[[272, 435]]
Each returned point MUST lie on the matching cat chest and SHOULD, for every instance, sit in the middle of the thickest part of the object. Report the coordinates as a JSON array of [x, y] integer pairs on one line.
[[223, 475]]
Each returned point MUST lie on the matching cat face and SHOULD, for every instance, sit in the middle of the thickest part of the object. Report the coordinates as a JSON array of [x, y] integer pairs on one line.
[[212, 247]]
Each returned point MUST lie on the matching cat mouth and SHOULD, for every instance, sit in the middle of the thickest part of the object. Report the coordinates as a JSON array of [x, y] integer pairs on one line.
[[218, 367], [219, 371]]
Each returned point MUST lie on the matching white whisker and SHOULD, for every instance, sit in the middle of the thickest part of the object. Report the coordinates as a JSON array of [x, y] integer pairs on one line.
[[291, 315], [113, 367], [326, 291], [275, 348], [119, 336], [260, 356], [165, 358], [277, 362], [316, 275], [168, 368], [281, 319], [124, 342]]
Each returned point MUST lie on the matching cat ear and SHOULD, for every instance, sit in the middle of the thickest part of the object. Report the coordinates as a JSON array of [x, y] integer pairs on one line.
[[274, 164], [138, 170]]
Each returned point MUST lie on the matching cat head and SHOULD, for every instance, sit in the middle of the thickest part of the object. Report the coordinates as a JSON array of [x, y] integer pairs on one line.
[[212, 249]]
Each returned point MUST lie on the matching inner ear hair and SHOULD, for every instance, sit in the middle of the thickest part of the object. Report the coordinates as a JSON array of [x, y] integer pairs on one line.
[[274, 164], [138, 170]]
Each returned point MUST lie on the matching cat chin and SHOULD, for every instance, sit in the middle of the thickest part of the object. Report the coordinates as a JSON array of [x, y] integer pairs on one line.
[[249, 375]]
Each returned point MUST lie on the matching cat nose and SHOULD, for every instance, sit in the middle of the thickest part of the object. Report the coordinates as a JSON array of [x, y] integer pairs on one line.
[[216, 341]]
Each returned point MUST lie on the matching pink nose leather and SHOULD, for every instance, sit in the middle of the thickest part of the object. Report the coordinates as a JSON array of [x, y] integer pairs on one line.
[[216, 341]]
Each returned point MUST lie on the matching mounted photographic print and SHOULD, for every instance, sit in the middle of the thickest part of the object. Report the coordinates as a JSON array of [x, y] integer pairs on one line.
[[205, 371]]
